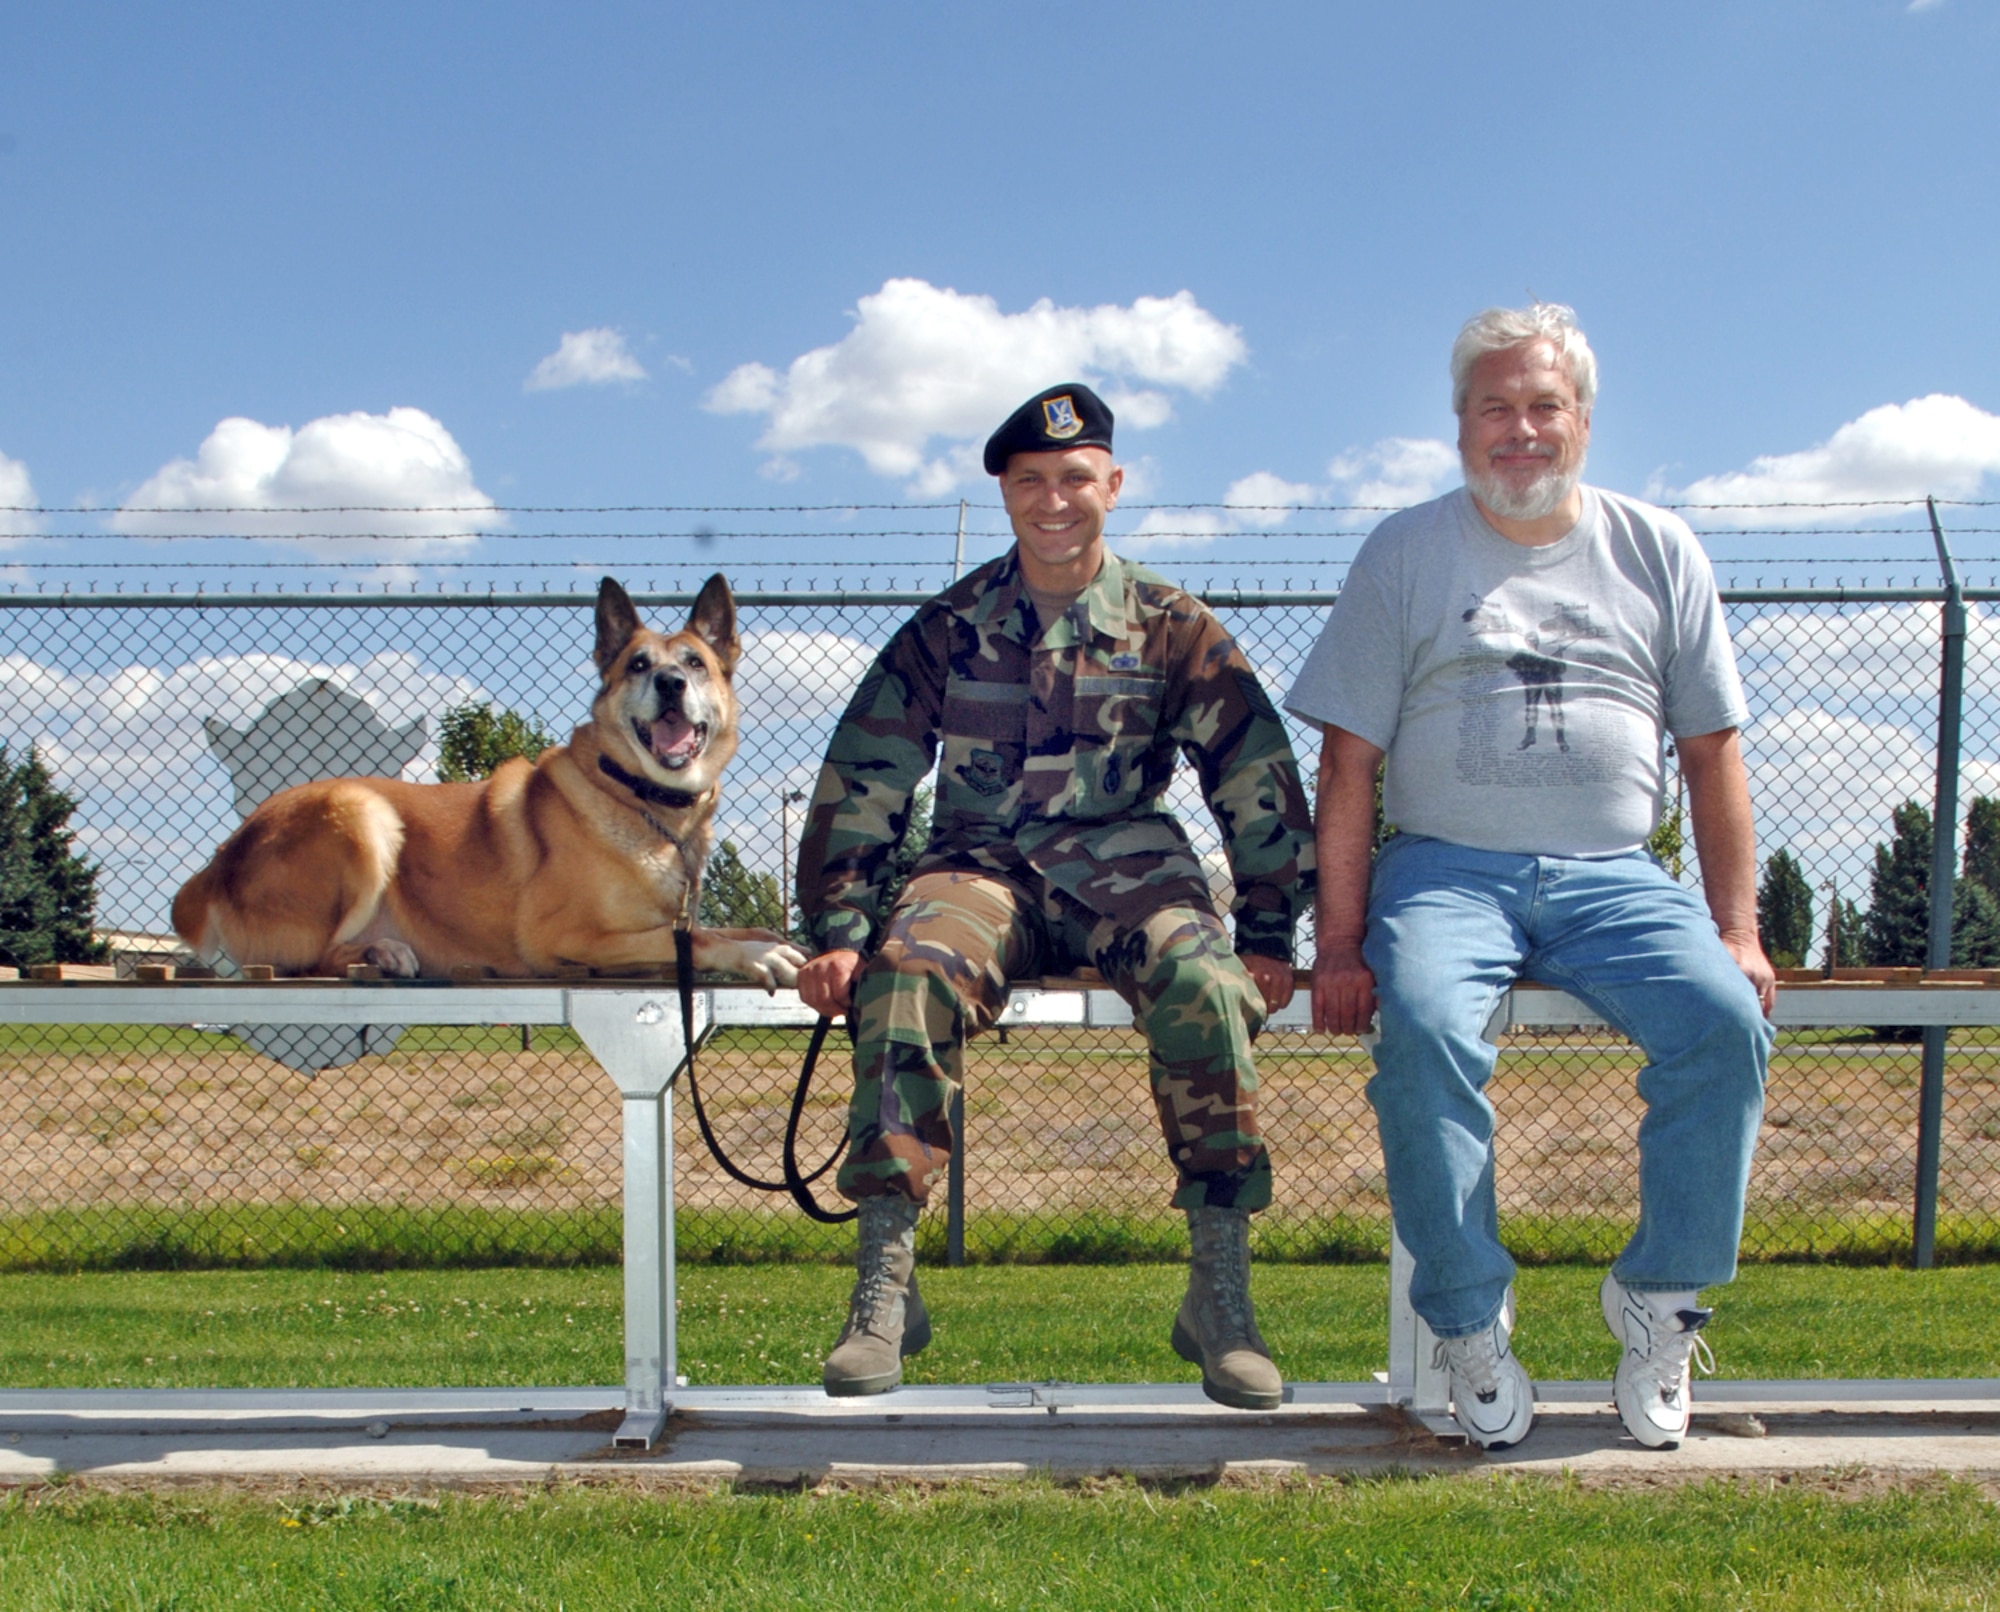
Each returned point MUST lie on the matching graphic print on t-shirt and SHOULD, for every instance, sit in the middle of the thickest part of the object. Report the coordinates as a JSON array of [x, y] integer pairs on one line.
[[1504, 653]]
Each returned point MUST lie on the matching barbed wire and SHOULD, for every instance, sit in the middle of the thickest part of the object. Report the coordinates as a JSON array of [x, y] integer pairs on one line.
[[706, 535], [475, 537], [696, 563], [786, 509], [494, 565], [460, 509]]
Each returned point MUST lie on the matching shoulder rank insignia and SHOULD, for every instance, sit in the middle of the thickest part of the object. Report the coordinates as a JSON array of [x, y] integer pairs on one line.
[[1060, 419]]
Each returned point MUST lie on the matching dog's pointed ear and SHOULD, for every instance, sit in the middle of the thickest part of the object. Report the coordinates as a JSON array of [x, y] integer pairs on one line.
[[617, 621], [714, 618]]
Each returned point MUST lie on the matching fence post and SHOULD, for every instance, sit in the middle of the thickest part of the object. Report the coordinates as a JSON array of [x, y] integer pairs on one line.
[[1944, 865], [954, 1190]]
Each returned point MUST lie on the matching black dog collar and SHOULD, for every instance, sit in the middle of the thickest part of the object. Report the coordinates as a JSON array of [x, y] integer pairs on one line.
[[646, 789]]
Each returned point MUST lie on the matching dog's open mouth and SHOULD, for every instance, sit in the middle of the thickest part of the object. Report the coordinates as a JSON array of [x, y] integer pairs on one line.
[[672, 741]]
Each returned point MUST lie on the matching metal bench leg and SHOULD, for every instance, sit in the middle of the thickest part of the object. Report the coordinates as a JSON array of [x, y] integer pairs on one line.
[[1413, 1378], [636, 1037]]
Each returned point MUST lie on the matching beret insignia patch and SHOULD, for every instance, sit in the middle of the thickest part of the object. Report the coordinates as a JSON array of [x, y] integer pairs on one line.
[[1060, 418]]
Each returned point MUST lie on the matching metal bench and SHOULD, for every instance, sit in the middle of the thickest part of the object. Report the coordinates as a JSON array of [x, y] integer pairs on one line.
[[633, 1029]]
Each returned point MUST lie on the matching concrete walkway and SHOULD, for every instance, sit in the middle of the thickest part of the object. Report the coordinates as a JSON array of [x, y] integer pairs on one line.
[[797, 1436]]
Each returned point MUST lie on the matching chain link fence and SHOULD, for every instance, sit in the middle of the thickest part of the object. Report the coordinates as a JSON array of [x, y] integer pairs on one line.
[[202, 1145]]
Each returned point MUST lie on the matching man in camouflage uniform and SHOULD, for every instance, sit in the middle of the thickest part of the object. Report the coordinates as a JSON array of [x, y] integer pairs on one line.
[[1062, 685]]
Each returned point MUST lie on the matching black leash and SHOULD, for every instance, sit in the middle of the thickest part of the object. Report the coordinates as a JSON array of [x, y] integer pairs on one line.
[[794, 1183]]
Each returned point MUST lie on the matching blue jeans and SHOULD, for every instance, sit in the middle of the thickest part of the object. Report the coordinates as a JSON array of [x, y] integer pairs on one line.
[[1449, 928]]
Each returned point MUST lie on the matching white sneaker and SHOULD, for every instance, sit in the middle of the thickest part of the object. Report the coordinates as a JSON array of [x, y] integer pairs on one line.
[[1661, 1343], [1491, 1396]]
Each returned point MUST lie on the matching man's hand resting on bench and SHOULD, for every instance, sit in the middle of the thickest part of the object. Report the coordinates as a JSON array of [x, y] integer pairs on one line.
[[1272, 978], [826, 984]]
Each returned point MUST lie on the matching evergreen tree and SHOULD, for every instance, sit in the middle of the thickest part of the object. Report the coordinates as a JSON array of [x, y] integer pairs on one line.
[[1975, 926], [1785, 911], [1982, 843], [733, 896], [473, 739], [1896, 932], [48, 893], [1847, 954]]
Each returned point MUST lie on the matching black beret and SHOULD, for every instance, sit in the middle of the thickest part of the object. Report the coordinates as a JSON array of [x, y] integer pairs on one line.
[[1066, 416]]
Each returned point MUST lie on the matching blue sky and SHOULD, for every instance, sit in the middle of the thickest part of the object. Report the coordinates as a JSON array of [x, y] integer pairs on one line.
[[1258, 224]]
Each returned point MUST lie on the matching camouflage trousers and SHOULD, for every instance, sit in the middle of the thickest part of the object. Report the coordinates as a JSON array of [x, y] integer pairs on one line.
[[941, 974]]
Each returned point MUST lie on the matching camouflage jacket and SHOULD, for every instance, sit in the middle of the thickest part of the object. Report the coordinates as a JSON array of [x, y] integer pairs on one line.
[[1057, 751]]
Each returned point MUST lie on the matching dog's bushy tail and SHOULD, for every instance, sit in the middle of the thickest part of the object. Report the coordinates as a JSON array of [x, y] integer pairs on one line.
[[192, 914]]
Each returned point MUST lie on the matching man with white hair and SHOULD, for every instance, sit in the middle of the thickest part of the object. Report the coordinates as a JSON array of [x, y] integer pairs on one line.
[[1521, 851]]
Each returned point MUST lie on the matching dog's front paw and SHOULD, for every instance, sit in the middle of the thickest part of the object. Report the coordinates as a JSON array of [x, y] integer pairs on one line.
[[773, 964], [395, 959]]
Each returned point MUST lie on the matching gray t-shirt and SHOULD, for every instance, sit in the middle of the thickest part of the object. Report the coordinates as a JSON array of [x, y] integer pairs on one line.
[[1522, 694]]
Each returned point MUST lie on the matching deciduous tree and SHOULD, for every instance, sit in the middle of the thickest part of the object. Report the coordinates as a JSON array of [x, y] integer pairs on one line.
[[735, 896], [473, 739]]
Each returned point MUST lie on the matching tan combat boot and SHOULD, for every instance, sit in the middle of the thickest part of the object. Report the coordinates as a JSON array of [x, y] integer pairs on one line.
[[1216, 1329], [886, 1319]]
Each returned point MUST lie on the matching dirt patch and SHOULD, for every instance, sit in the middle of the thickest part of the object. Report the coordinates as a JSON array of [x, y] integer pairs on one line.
[[1056, 1119]]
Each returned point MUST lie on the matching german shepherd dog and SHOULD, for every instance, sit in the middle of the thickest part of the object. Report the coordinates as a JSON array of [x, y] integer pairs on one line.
[[586, 856]]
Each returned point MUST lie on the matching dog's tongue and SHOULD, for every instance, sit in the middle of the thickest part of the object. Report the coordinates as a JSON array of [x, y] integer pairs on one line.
[[674, 736]]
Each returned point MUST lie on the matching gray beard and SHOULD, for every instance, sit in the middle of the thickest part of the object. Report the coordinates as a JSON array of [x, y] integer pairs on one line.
[[1541, 498]]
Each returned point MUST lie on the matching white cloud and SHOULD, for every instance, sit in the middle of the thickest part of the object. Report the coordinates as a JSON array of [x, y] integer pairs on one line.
[[1939, 444], [788, 676], [404, 464], [585, 358], [1163, 529], [129, 743], [1851, 697], [1262, 499], [1395, 472], [141, 726], [925, 362], [15, 488]]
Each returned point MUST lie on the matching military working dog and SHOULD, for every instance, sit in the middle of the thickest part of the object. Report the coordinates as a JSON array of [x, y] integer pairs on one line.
[[588, 855]]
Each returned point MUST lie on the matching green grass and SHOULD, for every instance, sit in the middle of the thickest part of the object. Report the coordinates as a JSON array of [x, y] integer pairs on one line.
[[384, 1237], [1471, 1541], [356, 1237], [773, 1324], [1492, 1543]]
